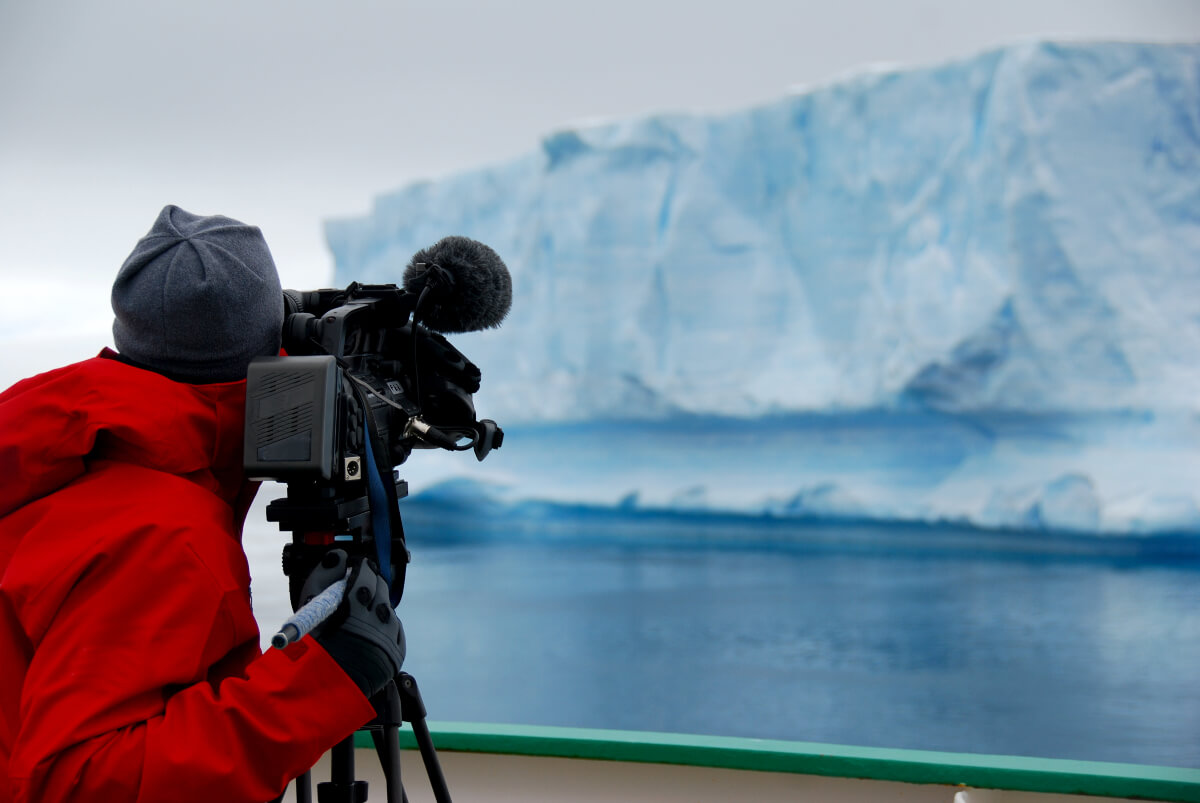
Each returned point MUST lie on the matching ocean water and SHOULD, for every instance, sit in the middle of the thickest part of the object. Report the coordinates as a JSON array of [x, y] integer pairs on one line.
[[623, 600], [909, 637]]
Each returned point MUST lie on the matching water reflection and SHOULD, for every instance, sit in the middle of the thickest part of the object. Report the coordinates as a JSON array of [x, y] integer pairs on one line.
[[938, 640]]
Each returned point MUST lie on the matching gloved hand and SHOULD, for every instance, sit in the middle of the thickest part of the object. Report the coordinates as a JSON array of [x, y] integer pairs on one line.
[[331, 569], [364, 635]]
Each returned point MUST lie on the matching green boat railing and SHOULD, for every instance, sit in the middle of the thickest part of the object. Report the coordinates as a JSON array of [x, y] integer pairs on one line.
[[1016, 773]]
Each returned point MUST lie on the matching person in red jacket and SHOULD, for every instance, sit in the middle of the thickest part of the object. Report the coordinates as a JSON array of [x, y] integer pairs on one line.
[[130, 666]]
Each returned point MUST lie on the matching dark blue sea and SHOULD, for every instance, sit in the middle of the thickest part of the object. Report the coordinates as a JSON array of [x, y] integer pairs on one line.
[[931, 638]]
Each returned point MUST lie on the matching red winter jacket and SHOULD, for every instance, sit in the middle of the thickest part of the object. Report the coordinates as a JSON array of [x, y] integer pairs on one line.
[[129, 660]]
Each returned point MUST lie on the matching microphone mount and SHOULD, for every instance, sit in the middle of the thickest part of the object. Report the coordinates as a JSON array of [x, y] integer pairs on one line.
[[438, 284]]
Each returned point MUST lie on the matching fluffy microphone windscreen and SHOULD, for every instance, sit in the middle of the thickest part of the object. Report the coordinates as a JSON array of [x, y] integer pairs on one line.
[[479, 295]]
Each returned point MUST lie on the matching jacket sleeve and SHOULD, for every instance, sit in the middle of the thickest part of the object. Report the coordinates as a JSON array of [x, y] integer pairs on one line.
[[129, 695]]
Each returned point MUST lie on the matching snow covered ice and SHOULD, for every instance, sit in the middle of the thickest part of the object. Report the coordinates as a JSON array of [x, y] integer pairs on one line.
[[998, 256]]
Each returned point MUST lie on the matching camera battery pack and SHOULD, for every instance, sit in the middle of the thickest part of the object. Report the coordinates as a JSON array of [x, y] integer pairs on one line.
[[291, 405]]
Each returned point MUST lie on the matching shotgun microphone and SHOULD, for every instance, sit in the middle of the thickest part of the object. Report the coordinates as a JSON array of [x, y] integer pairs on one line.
[[462, 285]]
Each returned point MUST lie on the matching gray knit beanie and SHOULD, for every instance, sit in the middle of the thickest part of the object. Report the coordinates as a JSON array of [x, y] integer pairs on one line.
[[198, 298]]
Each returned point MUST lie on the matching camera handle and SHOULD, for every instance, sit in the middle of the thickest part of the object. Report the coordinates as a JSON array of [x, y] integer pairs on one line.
[[399, 702]]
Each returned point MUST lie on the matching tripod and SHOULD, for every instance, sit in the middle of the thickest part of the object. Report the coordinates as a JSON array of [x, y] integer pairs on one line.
[[313, 514], [400, 701]]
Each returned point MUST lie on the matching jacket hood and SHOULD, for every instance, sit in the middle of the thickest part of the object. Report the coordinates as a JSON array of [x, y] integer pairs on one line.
[[52, 425]]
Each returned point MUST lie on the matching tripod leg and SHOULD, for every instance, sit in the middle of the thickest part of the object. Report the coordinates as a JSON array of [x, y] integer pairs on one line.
[[304, 788], [341, 787], [433, 767], [387, 748], [385, 734], [413, 708]]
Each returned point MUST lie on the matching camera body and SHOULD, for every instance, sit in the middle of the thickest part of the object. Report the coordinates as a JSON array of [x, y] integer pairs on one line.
[[362, 386]]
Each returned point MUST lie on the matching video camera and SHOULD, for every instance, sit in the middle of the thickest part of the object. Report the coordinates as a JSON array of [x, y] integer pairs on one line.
[[367, 379]]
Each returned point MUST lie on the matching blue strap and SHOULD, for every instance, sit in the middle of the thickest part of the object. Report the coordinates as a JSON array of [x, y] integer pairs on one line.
[[380, 520]]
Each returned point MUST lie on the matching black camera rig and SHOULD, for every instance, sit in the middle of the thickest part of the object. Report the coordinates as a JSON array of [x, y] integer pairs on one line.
[[362, 386], [364, 383]]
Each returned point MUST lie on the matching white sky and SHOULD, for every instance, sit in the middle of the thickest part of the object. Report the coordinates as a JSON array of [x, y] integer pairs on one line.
[[285, 112]]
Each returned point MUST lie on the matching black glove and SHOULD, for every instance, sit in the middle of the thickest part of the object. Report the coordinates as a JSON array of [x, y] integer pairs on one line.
[[364, 635]]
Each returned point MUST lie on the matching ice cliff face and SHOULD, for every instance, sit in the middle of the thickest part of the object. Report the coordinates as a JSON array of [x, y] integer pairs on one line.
[[1019, 231]]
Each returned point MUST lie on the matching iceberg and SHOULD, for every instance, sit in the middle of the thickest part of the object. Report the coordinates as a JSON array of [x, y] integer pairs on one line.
[[1008, 244]]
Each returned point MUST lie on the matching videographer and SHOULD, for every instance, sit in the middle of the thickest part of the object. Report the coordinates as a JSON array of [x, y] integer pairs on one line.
[[130, 666]]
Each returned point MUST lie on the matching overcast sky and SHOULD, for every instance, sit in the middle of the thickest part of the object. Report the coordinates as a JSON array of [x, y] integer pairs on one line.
[[286, 112]]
